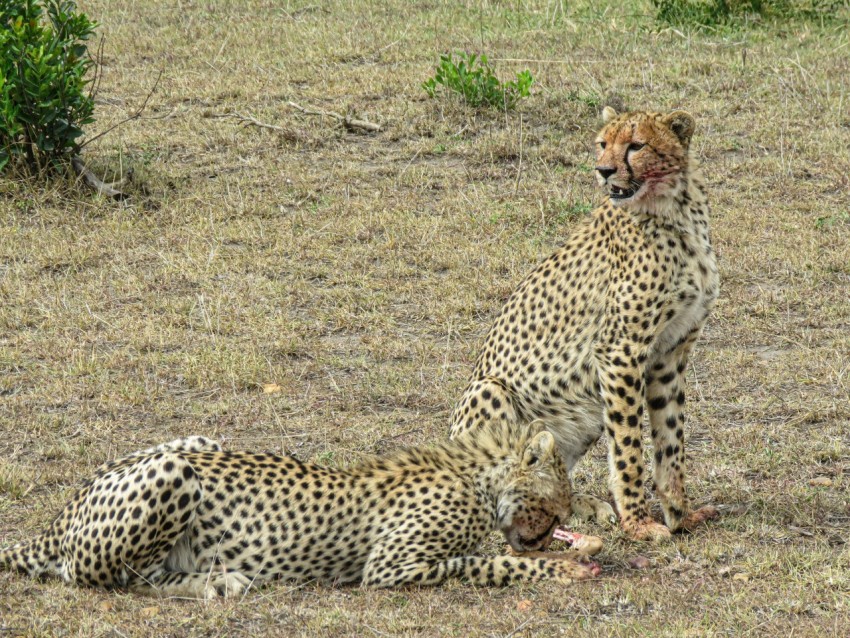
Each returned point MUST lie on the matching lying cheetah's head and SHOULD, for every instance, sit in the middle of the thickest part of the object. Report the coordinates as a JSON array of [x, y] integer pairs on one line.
[[643, 156], [536, 497]]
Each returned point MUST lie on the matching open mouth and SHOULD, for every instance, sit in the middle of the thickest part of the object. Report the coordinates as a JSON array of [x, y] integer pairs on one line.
[[621, 193]]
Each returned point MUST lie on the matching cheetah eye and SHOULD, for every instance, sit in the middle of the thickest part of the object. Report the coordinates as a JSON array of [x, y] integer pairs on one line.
[[532, 461], [636, 146], [603, 144]]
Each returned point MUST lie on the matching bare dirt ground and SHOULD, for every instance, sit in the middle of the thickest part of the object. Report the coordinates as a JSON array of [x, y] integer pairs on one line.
[[321, 292]]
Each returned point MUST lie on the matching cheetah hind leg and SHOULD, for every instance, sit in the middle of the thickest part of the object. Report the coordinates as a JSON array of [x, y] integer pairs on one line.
[[167, 568], [147, 549], [487, 400]]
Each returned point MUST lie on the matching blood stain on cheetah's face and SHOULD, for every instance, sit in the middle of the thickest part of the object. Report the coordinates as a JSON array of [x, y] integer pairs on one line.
[[643, 157], [537, 496]]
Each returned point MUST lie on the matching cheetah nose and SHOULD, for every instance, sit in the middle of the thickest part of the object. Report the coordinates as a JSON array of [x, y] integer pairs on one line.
[[606, 171]]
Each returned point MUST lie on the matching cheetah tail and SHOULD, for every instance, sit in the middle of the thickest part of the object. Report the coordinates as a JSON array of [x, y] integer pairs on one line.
[[30, 557], [10, 557]]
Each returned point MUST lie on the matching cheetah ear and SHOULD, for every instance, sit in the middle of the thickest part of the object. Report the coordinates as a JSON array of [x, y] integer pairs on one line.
[[540, 450], [608, 114], [682, 124]]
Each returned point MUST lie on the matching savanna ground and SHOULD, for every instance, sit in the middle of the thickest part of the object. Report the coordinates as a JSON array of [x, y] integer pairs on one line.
[[321, 292]]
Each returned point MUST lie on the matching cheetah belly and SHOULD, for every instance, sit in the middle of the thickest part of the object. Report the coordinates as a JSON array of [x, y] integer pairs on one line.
[[576, 427], [277, 548]]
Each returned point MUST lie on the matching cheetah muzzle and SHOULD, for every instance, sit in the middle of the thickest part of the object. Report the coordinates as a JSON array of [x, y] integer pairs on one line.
[[521, 543]]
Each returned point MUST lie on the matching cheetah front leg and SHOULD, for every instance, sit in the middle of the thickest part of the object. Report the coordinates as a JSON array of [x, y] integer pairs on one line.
[[665, 397], [623, 394], [485, 571]]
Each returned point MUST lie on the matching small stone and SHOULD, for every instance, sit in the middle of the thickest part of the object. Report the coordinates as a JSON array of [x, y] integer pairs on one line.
[[524, 606], [821, 481], [742, 576], [638, 562]]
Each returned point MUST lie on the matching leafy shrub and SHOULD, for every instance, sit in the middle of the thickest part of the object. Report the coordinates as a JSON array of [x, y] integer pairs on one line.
[[472, 77], [724, 12], [43, 67]]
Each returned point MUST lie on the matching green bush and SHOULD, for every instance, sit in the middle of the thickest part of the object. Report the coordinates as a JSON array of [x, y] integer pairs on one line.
[[472, 77], [44, 65], [724, 12]]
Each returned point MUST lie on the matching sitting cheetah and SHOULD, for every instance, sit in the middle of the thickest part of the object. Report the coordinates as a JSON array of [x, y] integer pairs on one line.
[[604, 326], [187, 519]]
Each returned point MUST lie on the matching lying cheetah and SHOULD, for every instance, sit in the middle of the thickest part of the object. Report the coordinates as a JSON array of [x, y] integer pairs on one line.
[[604, 326], [187, 519]]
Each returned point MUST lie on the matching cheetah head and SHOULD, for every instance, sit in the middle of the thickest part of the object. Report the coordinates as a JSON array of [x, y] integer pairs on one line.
[[536, 497], [643, 157]]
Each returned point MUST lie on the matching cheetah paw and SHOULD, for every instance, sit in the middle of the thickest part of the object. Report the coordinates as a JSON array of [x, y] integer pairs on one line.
[[568, 570], [227, 585], [590, 508], [605, 514], [646, 530]]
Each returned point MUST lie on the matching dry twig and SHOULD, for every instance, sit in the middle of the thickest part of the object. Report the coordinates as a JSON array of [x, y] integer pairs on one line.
[[346, 120], [134, 116], [96, 183], [247, 120]]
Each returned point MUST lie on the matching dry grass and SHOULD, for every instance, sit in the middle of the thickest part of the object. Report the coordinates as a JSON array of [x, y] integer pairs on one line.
[[359, 273]]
